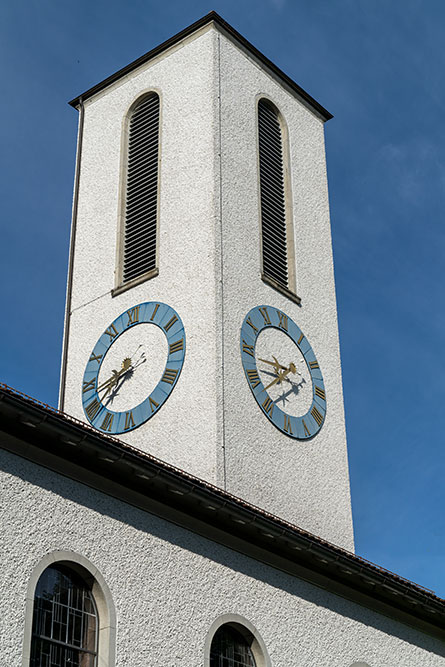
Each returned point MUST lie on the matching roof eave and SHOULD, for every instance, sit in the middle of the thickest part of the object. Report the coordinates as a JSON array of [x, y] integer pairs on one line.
[[80, 452], [211, 17]]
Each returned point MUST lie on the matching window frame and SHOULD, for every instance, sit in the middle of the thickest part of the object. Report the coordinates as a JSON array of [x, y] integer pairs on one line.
[[106, 615], [121, 286], [42, 615], [245, 628], [291, 290]]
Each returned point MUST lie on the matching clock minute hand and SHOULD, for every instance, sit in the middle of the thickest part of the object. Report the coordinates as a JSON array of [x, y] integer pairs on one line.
[[275, 364], [112, 380], [281, 376]]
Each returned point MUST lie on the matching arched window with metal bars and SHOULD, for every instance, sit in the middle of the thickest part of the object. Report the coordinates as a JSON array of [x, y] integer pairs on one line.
[[65, 621], [141, 198], [276, 228], [230, 648]]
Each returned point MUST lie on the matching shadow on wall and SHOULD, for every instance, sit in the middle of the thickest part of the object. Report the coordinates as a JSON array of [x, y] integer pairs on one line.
[[150, 524]]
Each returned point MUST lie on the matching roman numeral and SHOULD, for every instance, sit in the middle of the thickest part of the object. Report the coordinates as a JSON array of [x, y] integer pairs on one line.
[[317, 416], [111, 331], [92, 409], [265, 315], [268, 406], [300, 339], [96, 357], [320, 393], [129, 421], [176, 347], [133, 315], [153, 403], [313, 364], [88, 386], [287, 425], [107, 422], [154, 312], [249, 322], [169, 376], [282, 320], [306, 430], [248, 349], [253, 377], [171, 323]]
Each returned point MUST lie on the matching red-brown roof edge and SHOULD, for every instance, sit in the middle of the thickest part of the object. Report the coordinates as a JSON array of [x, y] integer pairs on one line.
[[360, 571], [208, 18]]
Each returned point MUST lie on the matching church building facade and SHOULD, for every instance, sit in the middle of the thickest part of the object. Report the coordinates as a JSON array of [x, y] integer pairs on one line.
[[189, 503]]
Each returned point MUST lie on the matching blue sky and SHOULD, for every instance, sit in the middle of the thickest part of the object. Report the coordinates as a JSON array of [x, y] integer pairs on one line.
[[378, 67]]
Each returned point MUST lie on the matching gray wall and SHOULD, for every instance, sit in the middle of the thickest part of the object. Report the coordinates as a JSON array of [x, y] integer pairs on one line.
[[169, 586]]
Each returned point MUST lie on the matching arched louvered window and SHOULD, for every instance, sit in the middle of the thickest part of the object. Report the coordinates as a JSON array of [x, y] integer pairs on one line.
[[275, 230], [141, 201], [65, 621]]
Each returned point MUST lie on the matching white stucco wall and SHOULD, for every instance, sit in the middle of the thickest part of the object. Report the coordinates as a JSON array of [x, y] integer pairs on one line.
[[185, 431], [209, 272], [169, 586], [304, 482]]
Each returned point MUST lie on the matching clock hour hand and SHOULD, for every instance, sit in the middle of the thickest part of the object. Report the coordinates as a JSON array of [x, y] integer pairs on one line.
[[275, 364], [113, 380], [281, 376]]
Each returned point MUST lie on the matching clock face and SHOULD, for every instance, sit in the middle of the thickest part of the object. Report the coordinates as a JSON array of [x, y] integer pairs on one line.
[[283, 372], [133, 367]]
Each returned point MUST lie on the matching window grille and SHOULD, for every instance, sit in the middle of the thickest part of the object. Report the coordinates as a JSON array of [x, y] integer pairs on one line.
[[65, 621], [142, 190], [230, 649], [272, 188]]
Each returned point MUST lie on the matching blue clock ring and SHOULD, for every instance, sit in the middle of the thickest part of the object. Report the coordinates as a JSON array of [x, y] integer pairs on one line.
[[264, 373], [97, 396]]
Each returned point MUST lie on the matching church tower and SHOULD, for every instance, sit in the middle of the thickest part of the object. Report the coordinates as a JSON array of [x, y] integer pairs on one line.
[[201, 323]]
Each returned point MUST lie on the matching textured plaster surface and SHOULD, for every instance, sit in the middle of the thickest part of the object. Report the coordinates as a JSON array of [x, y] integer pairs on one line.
[[185, 431], [304, 482], [169, 585], [209, 271]]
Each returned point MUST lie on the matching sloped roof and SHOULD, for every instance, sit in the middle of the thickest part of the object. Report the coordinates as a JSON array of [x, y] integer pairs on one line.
[[70, 447], [230, 32]]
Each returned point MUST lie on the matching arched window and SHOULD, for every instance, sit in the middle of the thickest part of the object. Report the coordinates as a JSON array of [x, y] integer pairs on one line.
[[231, 648], [276, 228], [65, 621], [141, 200]]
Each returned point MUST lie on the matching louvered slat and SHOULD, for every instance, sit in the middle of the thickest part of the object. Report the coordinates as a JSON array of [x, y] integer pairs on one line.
[[273, 215], [142, 190]]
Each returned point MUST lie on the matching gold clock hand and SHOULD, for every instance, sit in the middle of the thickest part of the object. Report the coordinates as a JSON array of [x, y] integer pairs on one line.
[[275, 364], [271, 363], [105, 384], [281, 376], [272, 383], [111, 380], [110, 387]]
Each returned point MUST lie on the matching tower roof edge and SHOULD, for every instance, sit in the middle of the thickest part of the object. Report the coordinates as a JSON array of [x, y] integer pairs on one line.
[[223, 26]]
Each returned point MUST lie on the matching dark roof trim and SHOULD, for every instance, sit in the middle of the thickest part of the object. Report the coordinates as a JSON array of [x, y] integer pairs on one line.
[[50, 438], [211, 16]]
